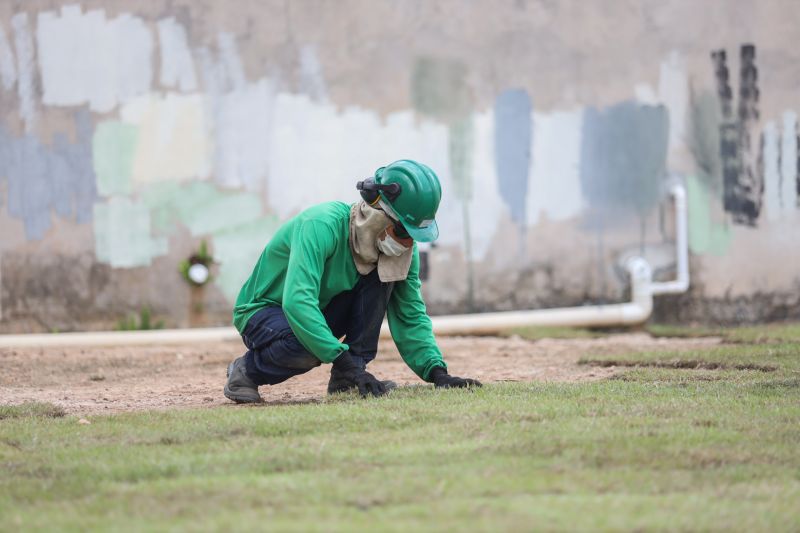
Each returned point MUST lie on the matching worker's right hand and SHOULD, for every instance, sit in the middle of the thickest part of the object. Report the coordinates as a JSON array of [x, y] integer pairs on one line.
[[353, 372], [368, 384]]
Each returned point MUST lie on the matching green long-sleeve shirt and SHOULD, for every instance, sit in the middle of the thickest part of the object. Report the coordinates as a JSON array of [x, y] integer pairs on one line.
[[309, 261]]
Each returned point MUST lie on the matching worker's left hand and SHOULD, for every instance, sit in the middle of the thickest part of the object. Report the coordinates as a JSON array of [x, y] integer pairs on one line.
[[443, 380]]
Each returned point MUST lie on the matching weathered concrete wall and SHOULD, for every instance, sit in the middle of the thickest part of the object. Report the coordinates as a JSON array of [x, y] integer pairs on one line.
[[132, 131]]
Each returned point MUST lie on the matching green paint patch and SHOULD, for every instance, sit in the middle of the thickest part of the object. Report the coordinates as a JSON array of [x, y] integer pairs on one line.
[[461, 147], [113, 150], [706, 236], [200, 206], [237, 248], [123, 234], [439, 89]]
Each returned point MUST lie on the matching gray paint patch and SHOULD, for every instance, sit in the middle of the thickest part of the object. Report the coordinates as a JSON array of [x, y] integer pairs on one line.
[[623, 156], [512, 145], [44, 178], [26, 66]]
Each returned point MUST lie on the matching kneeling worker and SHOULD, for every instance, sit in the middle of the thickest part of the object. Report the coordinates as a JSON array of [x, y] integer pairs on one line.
[[331, 273]]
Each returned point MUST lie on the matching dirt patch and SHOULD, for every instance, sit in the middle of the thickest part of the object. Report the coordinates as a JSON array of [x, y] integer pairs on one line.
[[94, 380]]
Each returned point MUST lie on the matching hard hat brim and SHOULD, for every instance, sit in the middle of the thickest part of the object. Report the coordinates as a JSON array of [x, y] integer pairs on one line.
[[427, 234]]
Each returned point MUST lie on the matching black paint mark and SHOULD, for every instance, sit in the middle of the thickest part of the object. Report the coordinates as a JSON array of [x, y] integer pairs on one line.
[[743, 184]]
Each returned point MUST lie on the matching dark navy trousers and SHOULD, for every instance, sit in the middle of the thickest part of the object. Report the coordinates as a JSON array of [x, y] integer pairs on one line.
[[274, 354]]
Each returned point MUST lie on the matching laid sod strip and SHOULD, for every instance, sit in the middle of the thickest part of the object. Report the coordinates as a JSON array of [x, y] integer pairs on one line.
[[768, 333], [661, 451], [762, 357]]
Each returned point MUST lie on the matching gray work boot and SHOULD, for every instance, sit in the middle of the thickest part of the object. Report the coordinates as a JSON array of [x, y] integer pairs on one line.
[[240, 388], [339, 384]]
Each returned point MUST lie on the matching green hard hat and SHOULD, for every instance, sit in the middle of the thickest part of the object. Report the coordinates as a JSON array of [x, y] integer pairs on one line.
[[420, 194]]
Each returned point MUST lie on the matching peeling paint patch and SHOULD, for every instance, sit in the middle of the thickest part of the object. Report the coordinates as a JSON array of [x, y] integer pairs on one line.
[[26, 70], [177, 67], [555, 188], [44, 178], [706, 235], [8, 71], [113, 149], [512, 149], [86, 58], [123, 235], [172, 140]]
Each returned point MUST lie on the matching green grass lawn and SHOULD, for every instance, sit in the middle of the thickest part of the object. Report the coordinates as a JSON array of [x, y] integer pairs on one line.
[[664, 446]]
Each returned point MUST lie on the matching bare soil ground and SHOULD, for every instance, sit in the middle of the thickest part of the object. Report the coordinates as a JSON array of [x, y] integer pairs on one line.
[[94, 380]]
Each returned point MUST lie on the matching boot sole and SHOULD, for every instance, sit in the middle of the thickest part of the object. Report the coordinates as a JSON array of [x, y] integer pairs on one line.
[[240, 398]]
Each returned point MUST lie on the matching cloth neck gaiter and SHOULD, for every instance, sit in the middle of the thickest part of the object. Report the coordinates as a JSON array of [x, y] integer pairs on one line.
[[366, 224]]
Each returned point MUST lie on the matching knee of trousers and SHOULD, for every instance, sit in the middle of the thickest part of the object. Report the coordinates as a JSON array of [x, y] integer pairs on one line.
[[287, 352]]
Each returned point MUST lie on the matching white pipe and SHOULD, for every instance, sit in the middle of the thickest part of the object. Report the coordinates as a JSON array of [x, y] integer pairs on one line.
[[681, 282], [634, 312], [120, 338]]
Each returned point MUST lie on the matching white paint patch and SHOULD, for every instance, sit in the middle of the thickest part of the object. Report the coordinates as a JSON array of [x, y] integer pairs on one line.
[[554, 190], [318, 153], [122, 234], [312, 82], [242, 133], [673, 92], [486, 207], [177, 67], [645, 94], [85, 58], [26, 64], [231, 61], [772, 199], [789, 168], [172, 140], [8, 71]]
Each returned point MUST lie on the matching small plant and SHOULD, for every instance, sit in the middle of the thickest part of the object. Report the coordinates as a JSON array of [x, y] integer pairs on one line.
[[144, 322], [196, 270]]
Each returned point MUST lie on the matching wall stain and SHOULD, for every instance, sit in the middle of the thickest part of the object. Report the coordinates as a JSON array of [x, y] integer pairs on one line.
[[439, 90], [44, 178]]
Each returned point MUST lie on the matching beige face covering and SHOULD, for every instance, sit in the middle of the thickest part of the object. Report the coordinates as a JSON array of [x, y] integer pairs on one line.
[[366, 224]]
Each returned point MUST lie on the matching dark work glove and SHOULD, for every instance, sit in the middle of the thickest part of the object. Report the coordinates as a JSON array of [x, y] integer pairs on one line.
[[443, 380], [352, 371]]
